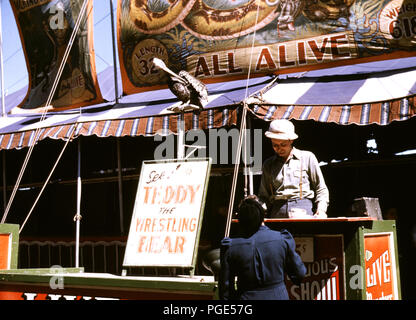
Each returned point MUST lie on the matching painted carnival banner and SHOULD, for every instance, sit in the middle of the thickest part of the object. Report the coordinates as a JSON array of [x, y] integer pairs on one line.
[[217, 40], [167, 216], [324, 278], [45, 28], [380, 267]]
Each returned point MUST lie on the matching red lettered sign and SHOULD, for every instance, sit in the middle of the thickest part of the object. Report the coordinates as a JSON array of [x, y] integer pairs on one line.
[[380, 267], [5, 251], [324, 278]]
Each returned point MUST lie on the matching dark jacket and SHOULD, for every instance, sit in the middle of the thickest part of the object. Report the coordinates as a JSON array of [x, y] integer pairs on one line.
[[259, 263]]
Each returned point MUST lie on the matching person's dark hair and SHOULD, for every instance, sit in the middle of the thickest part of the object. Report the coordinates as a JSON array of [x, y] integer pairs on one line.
[[251, 212]]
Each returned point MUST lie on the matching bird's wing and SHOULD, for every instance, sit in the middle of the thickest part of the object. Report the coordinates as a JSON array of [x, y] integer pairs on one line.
[[180, 80], [197, 86], [195, 83]]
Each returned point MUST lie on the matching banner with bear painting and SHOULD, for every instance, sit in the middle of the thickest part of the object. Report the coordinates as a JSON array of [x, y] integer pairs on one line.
[[45, 28], [220, 40]]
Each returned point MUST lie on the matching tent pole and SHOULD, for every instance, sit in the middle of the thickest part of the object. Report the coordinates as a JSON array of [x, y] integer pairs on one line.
[[120, 180], [236, 167], [120, 187], [4, 180], [248, 144], [114, 51], [3, 106], [181, 135], [77, 217]]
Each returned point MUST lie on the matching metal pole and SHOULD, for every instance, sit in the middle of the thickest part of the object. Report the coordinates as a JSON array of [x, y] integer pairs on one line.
[[236, 167], [120, 187], [77, 217], [181, 136], [114, 51], [3, 106], [4, 180], [120, 180], [248, 147]]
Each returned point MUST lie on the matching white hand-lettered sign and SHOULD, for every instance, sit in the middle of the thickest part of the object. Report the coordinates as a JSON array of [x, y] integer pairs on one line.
[[166, 221]]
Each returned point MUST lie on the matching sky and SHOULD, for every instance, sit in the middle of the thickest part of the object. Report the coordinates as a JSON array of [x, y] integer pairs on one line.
[[14, 65]]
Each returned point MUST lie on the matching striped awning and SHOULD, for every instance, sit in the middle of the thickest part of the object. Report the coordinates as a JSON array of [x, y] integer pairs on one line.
[[144, 114], [363, 114], [363, 94], [377, 92]]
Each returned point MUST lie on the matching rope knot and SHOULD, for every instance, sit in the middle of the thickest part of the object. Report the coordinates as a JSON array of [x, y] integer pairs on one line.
[[77, 217]]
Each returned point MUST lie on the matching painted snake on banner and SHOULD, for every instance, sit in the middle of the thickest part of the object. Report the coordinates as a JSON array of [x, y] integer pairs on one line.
[[227, 19], [158, 16], [319, 10]]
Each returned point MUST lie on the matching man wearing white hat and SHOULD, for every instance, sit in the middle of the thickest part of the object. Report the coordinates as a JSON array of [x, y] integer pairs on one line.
[[292, 183]]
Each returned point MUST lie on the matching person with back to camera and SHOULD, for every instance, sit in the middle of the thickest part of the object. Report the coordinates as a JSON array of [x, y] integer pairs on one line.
[[259, 259], [292, 183]]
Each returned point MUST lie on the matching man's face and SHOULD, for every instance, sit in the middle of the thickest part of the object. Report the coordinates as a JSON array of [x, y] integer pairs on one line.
[[282, 147]]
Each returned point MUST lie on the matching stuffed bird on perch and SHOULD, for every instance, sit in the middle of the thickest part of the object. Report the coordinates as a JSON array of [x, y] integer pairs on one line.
[[191, 91]]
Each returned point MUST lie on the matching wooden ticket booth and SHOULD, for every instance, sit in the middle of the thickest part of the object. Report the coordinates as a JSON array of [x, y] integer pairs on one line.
[[346, 258]]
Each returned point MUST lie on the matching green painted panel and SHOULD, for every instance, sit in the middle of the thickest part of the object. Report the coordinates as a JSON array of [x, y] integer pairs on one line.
[[12, 229]]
